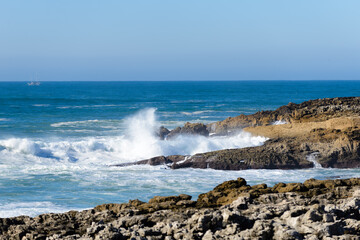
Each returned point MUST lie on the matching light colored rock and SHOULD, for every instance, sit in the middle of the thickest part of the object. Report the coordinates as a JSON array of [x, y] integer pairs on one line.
[[208, 235]]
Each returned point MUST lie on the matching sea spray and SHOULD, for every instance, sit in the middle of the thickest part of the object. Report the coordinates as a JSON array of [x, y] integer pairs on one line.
[[138, 141], [313, 158]]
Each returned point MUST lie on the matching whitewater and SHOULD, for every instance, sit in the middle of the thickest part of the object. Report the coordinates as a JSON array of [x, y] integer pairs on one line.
[[56, 149]]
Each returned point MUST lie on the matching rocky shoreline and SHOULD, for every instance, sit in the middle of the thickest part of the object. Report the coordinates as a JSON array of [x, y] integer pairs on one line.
[[315, 209], [324, 131]]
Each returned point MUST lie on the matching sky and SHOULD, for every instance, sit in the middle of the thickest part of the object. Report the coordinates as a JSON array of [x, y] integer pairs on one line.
[[113, 40]]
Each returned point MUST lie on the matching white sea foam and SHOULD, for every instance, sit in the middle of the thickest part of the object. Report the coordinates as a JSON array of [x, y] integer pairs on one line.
[[138, 142], [62, 167], [313, 158], [72, 123], [279, 122], [89, 106], [41, 105], [142, 182], [29, 208], [4, 119], [196, 112]]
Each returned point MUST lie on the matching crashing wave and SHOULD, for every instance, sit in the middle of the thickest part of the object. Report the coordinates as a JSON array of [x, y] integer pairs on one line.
[[139, 141]]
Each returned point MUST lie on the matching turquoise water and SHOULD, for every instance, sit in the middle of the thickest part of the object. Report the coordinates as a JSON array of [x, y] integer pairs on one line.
[[57, 139]]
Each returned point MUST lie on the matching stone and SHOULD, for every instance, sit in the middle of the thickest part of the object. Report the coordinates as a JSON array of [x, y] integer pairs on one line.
[[230, 212], [189, 129], [321, 132]]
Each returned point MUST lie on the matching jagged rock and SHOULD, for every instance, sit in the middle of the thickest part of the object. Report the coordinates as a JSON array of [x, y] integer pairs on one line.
[[309, 111], [163, 132], [189, 128], [321, 209], [159, 160], [325, 132]]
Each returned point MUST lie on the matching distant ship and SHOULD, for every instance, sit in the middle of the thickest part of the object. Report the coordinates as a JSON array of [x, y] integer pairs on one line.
[[34, 83]]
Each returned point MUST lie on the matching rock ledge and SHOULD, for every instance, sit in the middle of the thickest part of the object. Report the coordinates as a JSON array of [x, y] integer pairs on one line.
[[327, 209]]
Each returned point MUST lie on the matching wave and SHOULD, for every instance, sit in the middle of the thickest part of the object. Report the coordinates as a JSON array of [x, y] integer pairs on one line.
[[4, 119], [29, 209], [71, 123], [138, 142], [134, 182], [41, 105], [89, 106], [279, 122], [196, 112], [92, 125]]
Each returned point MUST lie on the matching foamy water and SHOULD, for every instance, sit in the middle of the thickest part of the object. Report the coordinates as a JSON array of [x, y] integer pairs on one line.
[[52, 188], [84, 162], [45, 174], [138, 141], [57, 140]]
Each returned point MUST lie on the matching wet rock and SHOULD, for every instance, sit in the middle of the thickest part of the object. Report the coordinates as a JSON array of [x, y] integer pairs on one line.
[[322, 132], [163, 132], [316, 209], [189, 129]]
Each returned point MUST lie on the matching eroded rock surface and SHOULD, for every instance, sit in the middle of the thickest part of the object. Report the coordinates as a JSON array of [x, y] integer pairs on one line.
[[328, 209], [310, 111], [189, 129], [323, 131]]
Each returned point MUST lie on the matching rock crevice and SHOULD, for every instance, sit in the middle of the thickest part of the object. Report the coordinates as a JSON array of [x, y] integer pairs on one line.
[[315, 209], [330, 127]]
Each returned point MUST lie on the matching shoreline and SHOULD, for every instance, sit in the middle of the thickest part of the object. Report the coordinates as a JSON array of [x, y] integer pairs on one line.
[[233, 209], [327, 130]]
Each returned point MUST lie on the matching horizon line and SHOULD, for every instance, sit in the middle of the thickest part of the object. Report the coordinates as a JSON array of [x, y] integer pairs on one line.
[[224, 80]]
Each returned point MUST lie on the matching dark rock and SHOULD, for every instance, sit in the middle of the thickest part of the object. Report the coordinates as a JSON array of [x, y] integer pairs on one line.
[[275, 154], [159, 160], [189, 129], [163, 132], [326, 129], [229, 211]]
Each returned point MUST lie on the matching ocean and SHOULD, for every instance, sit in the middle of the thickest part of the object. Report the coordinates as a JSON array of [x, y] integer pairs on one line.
[[59, 140]]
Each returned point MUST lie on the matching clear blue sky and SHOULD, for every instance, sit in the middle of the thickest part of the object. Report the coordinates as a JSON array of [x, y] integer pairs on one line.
[[179, 40]]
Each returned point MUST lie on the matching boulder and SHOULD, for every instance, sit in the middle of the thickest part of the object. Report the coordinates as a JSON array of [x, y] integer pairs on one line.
[[189, 129], [229, 211]]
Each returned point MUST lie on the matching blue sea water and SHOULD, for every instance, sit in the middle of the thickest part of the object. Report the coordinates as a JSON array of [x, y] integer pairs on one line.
[[58, 139]]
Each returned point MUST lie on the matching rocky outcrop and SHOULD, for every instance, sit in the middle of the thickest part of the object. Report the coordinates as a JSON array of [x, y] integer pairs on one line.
[[189, 129], [292, 146], [324, 131], [327, 209], [310, 111], [160, 160], [163, 132], [336, 148]]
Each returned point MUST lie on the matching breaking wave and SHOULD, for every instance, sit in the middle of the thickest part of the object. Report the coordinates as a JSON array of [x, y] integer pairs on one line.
[[29, 208], [72, 123], [138, 141]]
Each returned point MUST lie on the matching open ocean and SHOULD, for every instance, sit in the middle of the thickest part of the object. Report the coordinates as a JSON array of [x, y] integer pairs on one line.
[[58, 139]]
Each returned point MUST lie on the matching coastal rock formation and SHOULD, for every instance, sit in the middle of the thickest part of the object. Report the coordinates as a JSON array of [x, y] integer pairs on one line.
[[327, 209], [163, 132], [330, 147], [160, 160], [189, 128], [310, 111], [323, 132]]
